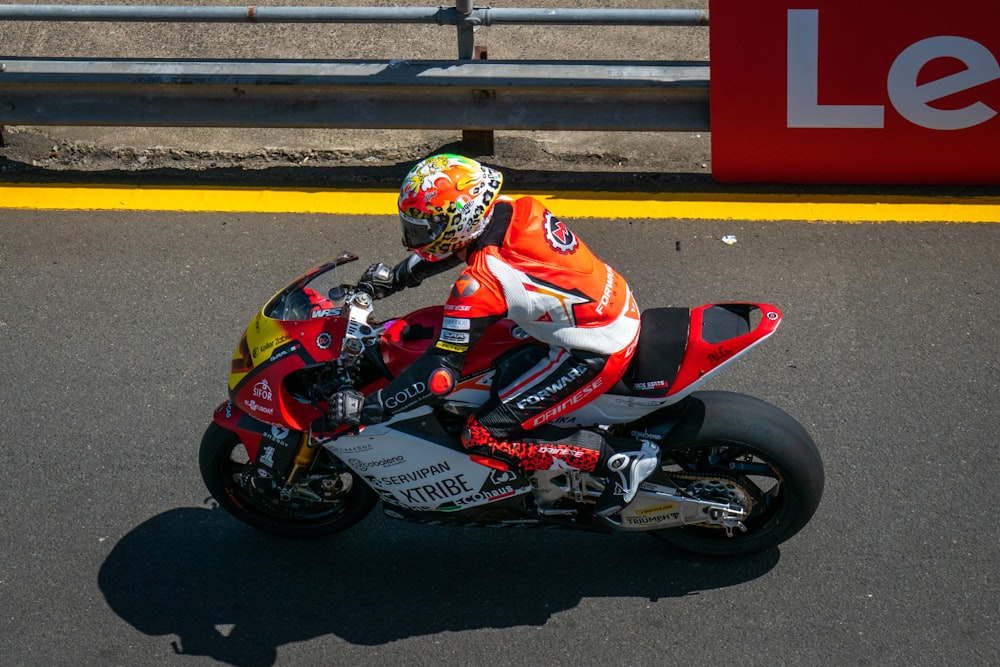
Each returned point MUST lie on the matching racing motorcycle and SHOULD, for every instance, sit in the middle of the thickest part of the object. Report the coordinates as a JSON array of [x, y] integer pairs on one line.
[[737, 474]]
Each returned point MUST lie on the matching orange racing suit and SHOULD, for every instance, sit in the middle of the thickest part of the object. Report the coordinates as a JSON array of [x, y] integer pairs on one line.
[[530, 267]]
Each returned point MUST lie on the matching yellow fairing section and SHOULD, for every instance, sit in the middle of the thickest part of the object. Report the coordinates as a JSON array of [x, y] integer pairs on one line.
[[262, 336]]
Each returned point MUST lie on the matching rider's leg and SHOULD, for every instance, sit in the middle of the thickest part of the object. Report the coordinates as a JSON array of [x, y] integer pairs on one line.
[[543, 389]]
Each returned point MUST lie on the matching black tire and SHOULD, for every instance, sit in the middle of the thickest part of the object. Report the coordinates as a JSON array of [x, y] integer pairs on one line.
[[759, 448], [223, 461]]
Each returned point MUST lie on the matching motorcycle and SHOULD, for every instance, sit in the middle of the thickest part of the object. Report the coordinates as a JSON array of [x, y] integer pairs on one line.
[[737, 474]]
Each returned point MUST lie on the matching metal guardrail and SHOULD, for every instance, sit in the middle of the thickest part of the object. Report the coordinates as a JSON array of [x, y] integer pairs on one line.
[[480, 95], [473, 95]]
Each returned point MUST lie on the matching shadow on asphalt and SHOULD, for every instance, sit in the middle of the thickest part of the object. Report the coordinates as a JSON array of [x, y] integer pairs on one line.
[[233, 594]]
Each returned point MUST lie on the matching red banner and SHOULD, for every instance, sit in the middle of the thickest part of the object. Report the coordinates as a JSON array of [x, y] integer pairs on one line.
[[855, 91]]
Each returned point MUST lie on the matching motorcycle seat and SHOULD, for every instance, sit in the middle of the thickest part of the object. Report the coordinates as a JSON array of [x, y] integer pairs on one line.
[[663, 336]]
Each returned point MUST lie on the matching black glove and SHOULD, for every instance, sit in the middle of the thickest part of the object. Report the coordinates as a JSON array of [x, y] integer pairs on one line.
[[378, 280], [345, 407]]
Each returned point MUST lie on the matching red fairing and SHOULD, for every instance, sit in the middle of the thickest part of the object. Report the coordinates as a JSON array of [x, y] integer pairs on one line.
[[701, 357], [231, 418], [400, 349], [285, 347]]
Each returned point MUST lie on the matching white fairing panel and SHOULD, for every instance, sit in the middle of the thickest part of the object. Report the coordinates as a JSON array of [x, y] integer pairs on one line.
[[605, 409], [419, 474]]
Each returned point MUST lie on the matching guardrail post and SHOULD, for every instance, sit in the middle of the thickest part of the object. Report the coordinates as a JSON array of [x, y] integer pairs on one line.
[[466, 30], [474, 142]]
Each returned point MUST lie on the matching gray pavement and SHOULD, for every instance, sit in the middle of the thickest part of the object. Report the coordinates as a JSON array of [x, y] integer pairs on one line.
[[118, 330]]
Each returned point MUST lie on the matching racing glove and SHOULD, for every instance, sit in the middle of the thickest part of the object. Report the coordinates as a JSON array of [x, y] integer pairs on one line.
[[345, 407], [379, 280]]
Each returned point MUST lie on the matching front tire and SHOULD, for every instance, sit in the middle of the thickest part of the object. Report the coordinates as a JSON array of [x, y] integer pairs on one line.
[[224, 465], [750, 452]]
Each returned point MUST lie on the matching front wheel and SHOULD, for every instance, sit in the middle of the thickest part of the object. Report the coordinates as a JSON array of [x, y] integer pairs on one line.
[[738, 449], [328, 499]]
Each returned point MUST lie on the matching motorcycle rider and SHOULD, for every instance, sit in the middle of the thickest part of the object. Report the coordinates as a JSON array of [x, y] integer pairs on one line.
[[524, 264]]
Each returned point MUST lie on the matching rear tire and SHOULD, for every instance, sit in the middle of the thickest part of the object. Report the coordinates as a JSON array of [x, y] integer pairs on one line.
[[758, 448], [223, 461]]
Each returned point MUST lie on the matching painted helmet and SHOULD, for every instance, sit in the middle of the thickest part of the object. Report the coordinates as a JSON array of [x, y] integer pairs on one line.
[[446, 202]]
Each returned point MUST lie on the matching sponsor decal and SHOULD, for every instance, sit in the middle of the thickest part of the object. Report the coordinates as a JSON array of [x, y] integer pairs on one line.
[[554, 388], [405, 396], [654, 510], [411, 476], [650, 520], [454, 336], [283, 353], [324, 341], [441, 491], [267, 458], [451, 347], [262, 390], [278, 434], [466, 285], [489, 496], [645, 386], [608, 291], [257, 407], [560, 452], [558, 236], [329, 312], [646, 435], [284, 338], [365, 465], [355, 449], [633, 403], [460, 323], [460, 308], [579, 398]]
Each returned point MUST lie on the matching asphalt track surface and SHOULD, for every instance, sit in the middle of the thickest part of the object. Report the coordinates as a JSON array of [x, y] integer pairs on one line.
[[118, 328]]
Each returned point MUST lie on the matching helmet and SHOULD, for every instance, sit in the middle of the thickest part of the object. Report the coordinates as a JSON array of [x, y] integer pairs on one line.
[[446, 202]]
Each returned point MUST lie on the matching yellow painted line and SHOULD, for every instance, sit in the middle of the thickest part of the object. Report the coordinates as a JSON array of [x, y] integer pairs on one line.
[[613, 205]]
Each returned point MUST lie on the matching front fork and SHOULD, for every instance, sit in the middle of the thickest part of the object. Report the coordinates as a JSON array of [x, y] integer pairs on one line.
[[303, 458]]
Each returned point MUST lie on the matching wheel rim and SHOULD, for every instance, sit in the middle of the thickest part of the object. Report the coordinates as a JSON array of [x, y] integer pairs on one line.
[[729, 473]]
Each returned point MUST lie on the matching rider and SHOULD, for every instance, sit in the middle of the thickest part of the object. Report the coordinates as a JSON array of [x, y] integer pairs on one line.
[[524, 264]]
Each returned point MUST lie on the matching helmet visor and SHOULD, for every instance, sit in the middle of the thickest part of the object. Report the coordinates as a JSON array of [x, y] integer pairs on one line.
[[417, 232]]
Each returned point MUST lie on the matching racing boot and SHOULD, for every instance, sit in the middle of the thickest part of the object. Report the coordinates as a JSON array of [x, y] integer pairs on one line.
[[626, 470]]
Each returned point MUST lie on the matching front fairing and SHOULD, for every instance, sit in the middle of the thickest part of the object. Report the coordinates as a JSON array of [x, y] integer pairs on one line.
[[300, 328]]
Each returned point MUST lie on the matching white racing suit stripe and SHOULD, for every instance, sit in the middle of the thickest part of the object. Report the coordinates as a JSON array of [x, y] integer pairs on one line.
[[547, 314]]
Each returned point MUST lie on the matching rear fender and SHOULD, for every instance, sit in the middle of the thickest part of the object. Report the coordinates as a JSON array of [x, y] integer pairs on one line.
[[277, 444]]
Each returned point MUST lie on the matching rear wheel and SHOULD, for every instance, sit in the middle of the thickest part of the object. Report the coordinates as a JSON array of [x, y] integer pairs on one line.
[[738, 449], [328, 499]]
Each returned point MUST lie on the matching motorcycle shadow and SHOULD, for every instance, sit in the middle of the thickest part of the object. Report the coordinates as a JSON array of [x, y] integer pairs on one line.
[[234, 594]]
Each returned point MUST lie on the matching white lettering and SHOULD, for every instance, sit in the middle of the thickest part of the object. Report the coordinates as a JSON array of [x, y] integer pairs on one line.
[[804, 109], [606, 297], [912, 101]]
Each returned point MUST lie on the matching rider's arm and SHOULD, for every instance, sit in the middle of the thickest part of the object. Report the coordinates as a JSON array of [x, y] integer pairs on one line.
[[381, 281], [413, 270], [412, 388], [476, 301]]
